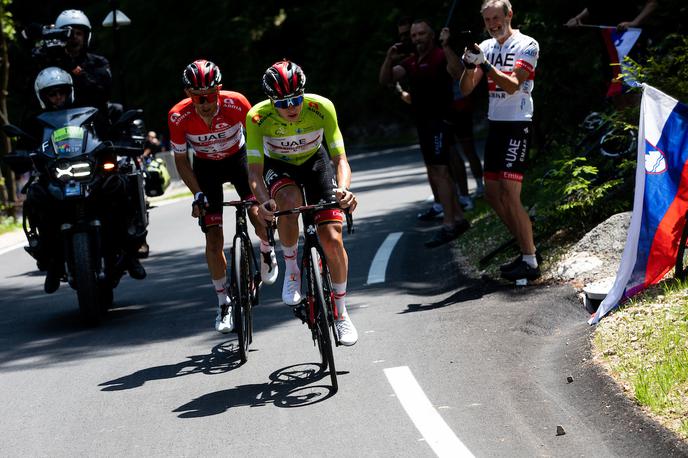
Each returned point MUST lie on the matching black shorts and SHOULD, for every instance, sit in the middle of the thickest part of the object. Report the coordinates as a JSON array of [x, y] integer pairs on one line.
[[461, 123], [211, 175], [316, 176], [435, 138], [506, 150]]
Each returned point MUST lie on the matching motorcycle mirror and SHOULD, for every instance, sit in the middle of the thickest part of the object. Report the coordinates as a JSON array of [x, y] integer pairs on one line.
[[13, 131]]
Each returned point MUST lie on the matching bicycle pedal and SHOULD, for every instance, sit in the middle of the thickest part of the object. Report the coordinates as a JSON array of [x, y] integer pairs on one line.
[[300, 312]]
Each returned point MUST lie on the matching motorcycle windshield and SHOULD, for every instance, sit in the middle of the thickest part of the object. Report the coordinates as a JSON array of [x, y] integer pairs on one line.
[[68, 141]]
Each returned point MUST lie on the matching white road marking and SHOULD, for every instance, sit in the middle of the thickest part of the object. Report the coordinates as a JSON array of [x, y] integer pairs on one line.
[[12, 248], [376, 274], [436, 432]]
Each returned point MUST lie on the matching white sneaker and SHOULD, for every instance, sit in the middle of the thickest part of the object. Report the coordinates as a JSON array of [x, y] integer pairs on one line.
[[224, 324], [268, 267], [291, 289], [346, 331]]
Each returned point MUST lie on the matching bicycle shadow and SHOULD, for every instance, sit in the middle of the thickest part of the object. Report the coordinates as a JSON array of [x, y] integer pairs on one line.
[[289, 387], [223, 358]]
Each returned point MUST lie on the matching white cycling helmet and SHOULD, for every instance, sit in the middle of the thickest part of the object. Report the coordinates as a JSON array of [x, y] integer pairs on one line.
[[49, 78], [74, 18]]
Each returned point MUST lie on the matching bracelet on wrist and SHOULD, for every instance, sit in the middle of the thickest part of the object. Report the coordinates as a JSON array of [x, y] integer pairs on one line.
[[486, 67]]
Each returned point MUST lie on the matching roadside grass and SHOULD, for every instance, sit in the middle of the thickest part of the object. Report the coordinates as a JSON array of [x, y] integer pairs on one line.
[[643, 345], [9, 224]]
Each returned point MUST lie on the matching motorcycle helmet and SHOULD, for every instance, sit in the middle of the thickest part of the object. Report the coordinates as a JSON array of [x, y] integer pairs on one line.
[[201, 75], [52, 78], [284, 79], [76, 19]]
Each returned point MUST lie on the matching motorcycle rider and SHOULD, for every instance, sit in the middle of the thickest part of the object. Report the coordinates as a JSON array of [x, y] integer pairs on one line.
[[54, 89], [90, 72]]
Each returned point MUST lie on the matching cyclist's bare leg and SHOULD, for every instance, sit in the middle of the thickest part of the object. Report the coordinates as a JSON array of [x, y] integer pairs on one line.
[[331, 240], [214, 254], [258, 225], [288, 225]]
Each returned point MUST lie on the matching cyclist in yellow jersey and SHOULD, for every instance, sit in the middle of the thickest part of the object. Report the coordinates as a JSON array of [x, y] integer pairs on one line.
[[293, 139]]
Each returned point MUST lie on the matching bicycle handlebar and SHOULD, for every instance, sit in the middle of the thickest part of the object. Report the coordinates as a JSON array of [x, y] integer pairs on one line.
[[310, 209]]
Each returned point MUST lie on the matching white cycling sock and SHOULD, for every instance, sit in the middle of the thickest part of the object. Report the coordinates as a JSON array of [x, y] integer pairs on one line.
[[340, 298], [531, 260], [265, 247], [290, 261], [221, 290]]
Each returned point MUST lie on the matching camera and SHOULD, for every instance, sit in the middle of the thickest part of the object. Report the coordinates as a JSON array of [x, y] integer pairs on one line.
[[49, 42]]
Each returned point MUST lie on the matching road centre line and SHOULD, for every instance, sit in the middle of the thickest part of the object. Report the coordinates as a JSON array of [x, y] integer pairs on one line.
[[378, 267], [435, 431]]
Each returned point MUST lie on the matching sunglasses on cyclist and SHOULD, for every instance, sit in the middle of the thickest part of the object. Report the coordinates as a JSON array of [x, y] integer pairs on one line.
[[209, 97], [290, 102]]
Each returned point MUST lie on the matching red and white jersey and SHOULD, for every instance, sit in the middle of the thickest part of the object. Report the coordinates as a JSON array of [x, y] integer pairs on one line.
[[518, 51], [225, 136]]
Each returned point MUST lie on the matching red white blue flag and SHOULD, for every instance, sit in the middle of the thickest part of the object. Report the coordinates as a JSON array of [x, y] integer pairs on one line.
[[661, 198], [619, 44]]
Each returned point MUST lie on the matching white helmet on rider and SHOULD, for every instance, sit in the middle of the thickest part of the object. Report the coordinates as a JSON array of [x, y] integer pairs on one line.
[[74, 18], [53, 78]]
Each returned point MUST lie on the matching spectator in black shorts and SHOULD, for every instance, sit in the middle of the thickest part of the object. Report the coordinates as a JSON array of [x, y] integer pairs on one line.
[[431, 99], [508, 61]]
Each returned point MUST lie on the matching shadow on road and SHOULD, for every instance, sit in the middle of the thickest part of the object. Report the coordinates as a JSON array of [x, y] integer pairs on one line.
[[291, 386], [224, 357]]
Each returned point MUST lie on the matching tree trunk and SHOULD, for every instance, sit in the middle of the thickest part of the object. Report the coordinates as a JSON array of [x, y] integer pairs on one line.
[[9, 195]]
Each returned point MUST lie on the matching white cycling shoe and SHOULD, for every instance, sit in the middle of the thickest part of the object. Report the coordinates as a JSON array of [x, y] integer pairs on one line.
[[268, 267], [291, 289], [346, 331], [224, 324]]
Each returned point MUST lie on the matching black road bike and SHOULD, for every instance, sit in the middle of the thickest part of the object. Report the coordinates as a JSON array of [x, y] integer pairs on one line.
[[317, 308], [245, 278]]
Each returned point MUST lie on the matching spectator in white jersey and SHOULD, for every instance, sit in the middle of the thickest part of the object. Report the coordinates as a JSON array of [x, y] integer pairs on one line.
[[508, 61]]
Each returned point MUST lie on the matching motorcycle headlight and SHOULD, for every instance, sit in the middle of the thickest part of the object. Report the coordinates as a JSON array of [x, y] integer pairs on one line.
[[67, 171]]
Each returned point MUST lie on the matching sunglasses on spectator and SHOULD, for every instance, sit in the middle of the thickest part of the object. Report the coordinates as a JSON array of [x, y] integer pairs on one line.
[[290, 102], [208, 97]]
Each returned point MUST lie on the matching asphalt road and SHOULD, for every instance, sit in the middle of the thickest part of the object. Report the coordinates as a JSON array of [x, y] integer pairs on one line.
[[446, 365]]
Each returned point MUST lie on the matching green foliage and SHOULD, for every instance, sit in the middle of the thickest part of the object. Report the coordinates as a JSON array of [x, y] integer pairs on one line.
[[666, 68], [7, 22]]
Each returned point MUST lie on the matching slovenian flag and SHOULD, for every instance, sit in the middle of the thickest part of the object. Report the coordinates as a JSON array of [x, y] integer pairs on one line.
[[619, 44], [661, 198]]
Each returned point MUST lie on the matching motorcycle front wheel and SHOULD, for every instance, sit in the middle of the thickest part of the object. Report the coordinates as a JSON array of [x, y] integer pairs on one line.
[[87, 288]]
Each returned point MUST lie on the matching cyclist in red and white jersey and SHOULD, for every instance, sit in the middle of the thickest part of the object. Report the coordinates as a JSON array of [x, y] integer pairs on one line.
[[508, 60], [212, 122]]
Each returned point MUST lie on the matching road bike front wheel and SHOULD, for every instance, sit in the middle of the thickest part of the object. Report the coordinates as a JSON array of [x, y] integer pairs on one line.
[[242, 299], [322, 327]]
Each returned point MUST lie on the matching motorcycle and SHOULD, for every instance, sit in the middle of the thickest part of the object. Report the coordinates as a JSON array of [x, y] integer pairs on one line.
[[78, 217]]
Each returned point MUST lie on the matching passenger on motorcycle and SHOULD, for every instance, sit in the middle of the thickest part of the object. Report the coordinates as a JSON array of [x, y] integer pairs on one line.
[[212, 122], [294, 139], [55, 91]]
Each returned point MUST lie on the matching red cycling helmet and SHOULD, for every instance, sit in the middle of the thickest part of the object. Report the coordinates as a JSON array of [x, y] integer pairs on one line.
[[283, 79], [201, 75]]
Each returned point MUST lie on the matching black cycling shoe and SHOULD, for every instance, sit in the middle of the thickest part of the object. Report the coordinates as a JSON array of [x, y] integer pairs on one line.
[[447, 234], [511, 265], [136, 270], [52, 280], [522, 270], [430, 214]]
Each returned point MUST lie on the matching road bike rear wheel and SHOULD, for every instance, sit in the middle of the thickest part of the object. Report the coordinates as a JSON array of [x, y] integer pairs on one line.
[[242, 300], [322, 325]]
